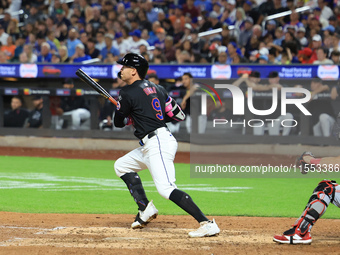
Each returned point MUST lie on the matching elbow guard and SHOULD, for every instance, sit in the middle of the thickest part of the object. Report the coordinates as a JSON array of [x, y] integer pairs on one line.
[[173, 110]]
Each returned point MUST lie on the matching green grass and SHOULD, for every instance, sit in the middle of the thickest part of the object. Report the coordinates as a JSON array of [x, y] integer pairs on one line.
[[49, 185]]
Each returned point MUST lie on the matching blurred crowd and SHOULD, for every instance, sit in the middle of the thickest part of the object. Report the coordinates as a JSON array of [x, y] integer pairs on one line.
[[169, 31]]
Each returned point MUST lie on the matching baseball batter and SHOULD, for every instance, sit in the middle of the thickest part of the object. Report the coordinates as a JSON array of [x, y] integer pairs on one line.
[[325, 193], [148, 107]]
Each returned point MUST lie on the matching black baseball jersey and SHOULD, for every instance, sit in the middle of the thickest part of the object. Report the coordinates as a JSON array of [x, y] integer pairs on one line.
[[144, 102], [35, 118], [15, 118], [72, 103], [319, 106]]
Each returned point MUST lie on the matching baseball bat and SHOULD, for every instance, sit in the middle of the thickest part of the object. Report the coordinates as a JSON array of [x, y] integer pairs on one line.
[[93, 84]]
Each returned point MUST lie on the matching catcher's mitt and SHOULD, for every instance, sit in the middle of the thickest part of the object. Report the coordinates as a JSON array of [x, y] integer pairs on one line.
[[303, 164]]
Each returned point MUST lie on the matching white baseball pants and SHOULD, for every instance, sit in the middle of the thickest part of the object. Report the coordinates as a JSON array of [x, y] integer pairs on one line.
[[157, 154], [324, 126], [336, 200], [78, 116]]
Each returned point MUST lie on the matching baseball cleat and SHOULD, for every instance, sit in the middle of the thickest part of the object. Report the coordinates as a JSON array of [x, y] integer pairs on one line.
[[294, 239], [144, 217], [301, 163], [291, 236], [207, 228]]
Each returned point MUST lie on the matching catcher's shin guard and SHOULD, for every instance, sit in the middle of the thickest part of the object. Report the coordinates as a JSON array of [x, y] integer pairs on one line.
[[134, 184], [322, 196]]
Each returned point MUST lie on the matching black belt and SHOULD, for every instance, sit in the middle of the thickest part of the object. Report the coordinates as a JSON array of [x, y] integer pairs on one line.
[[150, 135]]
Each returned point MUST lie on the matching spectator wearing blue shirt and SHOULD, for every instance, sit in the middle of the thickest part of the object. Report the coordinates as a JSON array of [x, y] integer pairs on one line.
[[127, 4], [151, 12], [263, 59], [45, 54], [246, 33], [20, 42], [80, 55], [232, 51], [279, 36], [153, 33], [72, 41], [160, 42], [42, 38], [109, 48], [204, 5]]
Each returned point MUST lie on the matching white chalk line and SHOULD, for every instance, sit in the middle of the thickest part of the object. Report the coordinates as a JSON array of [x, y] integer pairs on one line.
[[16, 239], [48, 182], [16, 227]]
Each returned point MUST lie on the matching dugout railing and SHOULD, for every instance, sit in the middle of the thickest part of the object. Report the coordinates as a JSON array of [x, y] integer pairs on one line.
[[32, 79], [243, 136], [302, 134], [47, 129]]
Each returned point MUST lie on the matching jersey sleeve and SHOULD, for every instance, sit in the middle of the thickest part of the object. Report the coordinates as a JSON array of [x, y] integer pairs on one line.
[[123, 109], [124, 104]]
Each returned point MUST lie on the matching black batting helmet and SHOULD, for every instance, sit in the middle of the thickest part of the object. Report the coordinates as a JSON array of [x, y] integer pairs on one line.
[[135, 61]]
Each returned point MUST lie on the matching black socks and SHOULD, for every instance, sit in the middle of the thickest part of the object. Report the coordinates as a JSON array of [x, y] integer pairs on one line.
[[184, 201]]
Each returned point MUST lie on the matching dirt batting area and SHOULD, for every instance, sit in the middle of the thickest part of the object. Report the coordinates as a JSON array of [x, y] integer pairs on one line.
[[24, 233]]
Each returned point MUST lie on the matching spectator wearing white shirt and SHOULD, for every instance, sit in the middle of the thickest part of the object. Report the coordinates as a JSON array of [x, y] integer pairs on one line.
[[335, 56], [232, 8], [100, 40], [336, 42], [222, 55], [321, 54], [3, 36], [15, 5], [31, 56], [136, 41], [326, 12], [121, 44], [300, 35]]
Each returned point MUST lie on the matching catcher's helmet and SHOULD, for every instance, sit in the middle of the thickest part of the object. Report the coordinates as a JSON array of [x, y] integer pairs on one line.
[[135, 61]]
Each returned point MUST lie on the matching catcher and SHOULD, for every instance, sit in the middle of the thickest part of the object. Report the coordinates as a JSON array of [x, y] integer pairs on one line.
[[325, 193]]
